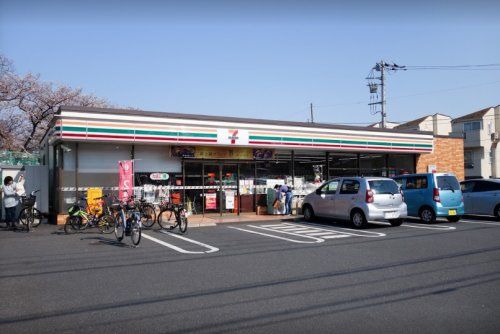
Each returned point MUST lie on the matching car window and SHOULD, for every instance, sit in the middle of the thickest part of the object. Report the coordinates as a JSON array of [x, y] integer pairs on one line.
[[416, 182], [399, 182], [349, 187], [384, 187], [447, 182], [482, 186], [331, 187], [467, 187]]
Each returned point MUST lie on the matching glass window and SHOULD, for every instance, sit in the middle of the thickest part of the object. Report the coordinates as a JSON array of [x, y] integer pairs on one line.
[[472, 126], [416, 182], [399, 181], [373, 165], [448, 183], [468, 157], [467, 186], [384, 187], [309, 169], [343, 164], [331, 187], [400, 164], [349, 187], [486, 186]]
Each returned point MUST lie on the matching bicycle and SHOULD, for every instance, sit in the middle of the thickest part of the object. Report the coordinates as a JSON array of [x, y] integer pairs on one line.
[[165, 217], [29, 217], [80, 219], [128, 222], [147, 212]]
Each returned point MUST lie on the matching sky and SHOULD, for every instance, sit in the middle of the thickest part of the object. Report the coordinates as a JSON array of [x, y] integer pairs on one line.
[[261, 59]]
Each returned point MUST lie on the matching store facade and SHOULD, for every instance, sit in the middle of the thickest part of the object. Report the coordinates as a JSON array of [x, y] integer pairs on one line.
[[216, 165]]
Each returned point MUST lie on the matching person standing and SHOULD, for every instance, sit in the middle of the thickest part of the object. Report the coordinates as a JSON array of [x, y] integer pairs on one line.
[[10, 200], [287, 193]]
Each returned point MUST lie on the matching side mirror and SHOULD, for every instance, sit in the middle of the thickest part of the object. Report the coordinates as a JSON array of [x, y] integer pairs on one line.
[[318, 191]]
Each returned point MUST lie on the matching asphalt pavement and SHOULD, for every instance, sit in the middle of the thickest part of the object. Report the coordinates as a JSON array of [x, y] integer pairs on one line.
[[275, 277]]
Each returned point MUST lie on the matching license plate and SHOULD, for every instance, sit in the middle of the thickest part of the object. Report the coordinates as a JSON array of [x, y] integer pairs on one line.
[[452, 212], [391, 215]]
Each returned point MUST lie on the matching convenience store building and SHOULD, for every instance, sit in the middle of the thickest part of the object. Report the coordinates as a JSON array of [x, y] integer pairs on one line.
[[224, 165]]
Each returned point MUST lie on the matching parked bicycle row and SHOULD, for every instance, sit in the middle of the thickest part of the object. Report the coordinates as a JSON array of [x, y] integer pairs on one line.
[[124, 218]]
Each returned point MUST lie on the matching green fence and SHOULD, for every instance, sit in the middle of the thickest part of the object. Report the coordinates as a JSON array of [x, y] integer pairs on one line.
[[19, 158]]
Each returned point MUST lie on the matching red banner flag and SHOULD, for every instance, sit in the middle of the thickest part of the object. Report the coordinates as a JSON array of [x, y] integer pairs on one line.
[[126, 183]]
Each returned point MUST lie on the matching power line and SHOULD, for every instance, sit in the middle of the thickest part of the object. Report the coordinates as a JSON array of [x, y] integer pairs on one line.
[[410, 95]]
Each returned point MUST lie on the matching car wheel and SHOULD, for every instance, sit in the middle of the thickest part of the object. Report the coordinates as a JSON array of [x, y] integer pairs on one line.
[[453, 219], [497, 212], [358, 219], [427, 215], [396, 222], [308, 213]]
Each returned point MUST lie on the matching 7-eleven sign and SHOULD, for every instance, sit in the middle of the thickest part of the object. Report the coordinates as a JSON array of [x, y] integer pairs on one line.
[[232, 137]]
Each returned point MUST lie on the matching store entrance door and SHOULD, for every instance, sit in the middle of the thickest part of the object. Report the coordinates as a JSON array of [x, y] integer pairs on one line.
[[220, 188]]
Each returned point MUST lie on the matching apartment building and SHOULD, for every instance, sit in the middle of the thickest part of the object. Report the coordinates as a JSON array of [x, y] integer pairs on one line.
[[480, 131], [438, 124]]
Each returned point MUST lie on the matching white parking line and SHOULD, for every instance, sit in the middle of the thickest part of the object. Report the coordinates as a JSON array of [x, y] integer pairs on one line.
[[358, 233], [316, 240], [437, 227], [299, 234], [211, 249], [477, 222]]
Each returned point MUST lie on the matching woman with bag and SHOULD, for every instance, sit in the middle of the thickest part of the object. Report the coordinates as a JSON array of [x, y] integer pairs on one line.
[[10, 199]]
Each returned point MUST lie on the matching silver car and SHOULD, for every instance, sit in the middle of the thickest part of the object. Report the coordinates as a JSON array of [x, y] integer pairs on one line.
[[482, 197], [358, 199]]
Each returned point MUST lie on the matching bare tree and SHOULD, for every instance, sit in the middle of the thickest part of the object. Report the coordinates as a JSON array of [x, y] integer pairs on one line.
[[27, 106]]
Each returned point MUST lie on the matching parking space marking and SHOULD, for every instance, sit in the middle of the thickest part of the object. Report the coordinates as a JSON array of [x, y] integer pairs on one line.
[[358, 233], [311, 231], [478, 222], [437, 227], [211, 249], [316, 240]]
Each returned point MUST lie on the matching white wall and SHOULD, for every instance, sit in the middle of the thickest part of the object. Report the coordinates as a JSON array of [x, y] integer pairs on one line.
[[101, 158], [441, 124], [154, 158]]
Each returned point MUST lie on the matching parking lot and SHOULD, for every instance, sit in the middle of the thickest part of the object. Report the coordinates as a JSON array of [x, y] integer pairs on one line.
[[284, 276]]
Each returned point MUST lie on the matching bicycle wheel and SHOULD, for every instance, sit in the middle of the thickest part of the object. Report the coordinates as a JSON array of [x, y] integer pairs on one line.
[[73, 225], [119, 228], [22, 219], [148, 215], [106, 224], [183, 224], [26, 219], [37, 217], [165, 219], [135, 233]]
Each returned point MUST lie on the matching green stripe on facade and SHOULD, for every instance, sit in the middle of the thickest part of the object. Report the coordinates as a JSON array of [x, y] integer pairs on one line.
[[338, 141], [139, 132]]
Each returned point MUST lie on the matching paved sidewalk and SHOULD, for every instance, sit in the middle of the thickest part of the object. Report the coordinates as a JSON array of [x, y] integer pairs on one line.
[[214, 219]]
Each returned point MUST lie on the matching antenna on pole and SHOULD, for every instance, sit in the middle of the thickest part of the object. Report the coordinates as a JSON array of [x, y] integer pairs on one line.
[[312, 113], [374, 83]]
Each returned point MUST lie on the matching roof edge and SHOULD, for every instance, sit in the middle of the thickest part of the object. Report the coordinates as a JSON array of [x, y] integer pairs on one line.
[[136, 112]]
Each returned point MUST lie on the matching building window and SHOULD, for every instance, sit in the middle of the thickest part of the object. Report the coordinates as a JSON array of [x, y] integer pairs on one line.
[[469, 159], [472, 126]]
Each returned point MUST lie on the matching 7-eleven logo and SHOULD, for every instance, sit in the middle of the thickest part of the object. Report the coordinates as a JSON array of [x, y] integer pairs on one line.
[[233, 136]]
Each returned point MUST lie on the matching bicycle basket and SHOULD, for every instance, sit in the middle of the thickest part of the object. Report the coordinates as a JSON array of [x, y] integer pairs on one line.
[[28, 201]]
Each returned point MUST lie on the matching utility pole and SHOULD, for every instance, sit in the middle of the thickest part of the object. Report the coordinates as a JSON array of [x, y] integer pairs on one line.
[[312, 113], [382, 84], [373, 85]]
